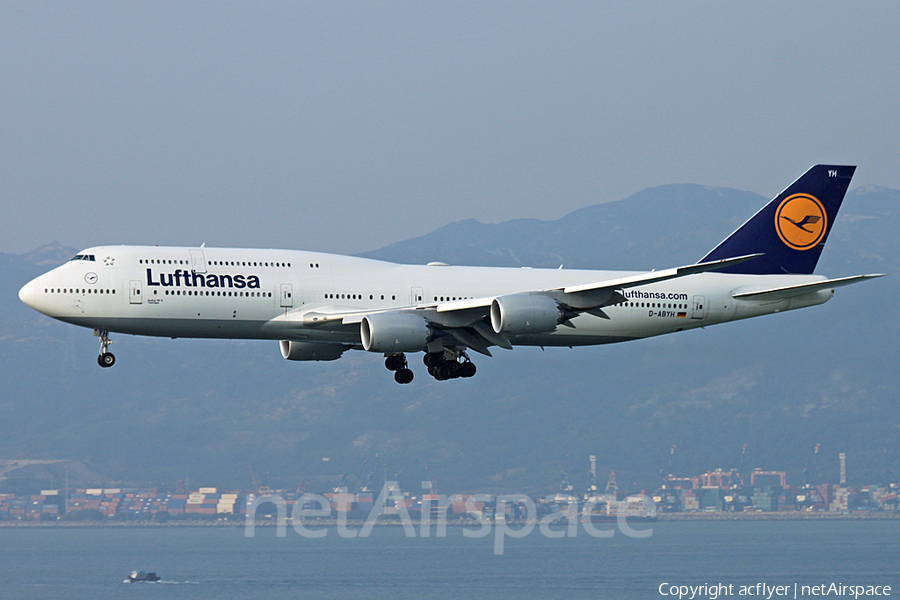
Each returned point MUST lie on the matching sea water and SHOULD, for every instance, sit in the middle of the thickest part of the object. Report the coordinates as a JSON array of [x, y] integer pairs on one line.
[[206, 563]]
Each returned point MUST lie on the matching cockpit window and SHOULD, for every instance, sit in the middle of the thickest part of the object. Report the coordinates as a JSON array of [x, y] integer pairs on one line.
[[89, 257]]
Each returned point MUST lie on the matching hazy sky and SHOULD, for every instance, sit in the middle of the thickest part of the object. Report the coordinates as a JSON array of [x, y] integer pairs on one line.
[[343, 127]]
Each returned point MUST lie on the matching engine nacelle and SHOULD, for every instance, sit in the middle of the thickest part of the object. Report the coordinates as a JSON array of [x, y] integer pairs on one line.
[[311, 350], [520, 314], [394, 332]]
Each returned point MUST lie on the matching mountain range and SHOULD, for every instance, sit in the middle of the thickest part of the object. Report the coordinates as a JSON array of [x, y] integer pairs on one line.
[[757, 393]]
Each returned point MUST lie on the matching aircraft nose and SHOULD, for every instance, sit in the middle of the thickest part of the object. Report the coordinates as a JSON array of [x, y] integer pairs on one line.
[[27, 293]]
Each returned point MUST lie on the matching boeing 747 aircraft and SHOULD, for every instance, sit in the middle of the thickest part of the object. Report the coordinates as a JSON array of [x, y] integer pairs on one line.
[[319, 306]]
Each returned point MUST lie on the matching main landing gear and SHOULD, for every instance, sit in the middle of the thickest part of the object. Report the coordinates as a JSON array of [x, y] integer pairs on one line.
[[397, 363], [443, 368], [444, 365], [106, 358]]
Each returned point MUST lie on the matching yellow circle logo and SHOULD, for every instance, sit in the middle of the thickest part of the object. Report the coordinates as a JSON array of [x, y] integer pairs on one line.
[[801, 221]]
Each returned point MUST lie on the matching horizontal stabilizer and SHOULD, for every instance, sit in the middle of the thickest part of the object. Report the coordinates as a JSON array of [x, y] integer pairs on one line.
[[791, 291]]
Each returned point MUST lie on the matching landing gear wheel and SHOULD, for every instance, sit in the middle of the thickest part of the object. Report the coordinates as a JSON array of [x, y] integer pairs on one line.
[[467, 369], [434, 359], [443, 373], [403, 375], [395, 362], [105, 359]]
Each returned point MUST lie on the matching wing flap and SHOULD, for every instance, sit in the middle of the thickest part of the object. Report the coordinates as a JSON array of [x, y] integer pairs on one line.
[[470, 341], [461, 304]]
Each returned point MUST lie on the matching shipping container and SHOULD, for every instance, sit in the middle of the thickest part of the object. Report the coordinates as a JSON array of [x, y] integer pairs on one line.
[[202, 510]]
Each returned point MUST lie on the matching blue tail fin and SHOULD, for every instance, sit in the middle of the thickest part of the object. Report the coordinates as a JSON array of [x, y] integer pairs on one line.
[[790, 230]]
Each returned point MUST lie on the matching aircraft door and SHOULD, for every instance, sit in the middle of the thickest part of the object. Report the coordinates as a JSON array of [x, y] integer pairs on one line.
[[134, 296], [699, 307], [416, 295], [287, 295], [198, 261]]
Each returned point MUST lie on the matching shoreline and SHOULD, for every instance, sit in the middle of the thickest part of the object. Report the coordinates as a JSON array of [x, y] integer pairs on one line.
[[780, 516], [357, 523]]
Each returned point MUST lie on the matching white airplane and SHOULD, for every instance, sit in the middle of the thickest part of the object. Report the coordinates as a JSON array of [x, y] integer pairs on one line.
[[318, 306]]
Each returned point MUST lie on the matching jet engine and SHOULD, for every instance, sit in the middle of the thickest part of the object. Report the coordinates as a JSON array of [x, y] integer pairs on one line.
[[521, 314], [311, 350], [394, 332]]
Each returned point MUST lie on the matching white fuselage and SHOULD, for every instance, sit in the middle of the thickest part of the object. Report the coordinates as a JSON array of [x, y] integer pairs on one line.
[[266, 294]]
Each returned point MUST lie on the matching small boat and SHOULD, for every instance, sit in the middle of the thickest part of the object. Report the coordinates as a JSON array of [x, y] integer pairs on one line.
[[141, 576]]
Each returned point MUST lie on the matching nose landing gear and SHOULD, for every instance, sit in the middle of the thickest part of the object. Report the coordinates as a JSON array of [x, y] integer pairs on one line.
[[106, 358]]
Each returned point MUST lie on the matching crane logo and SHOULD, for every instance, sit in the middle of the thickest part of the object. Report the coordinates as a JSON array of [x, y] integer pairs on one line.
[[801, 221]]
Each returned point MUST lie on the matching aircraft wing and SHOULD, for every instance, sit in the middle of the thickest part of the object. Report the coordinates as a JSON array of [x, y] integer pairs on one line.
[[468, 320], [656, 276], [608, 286], [790, 291]]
